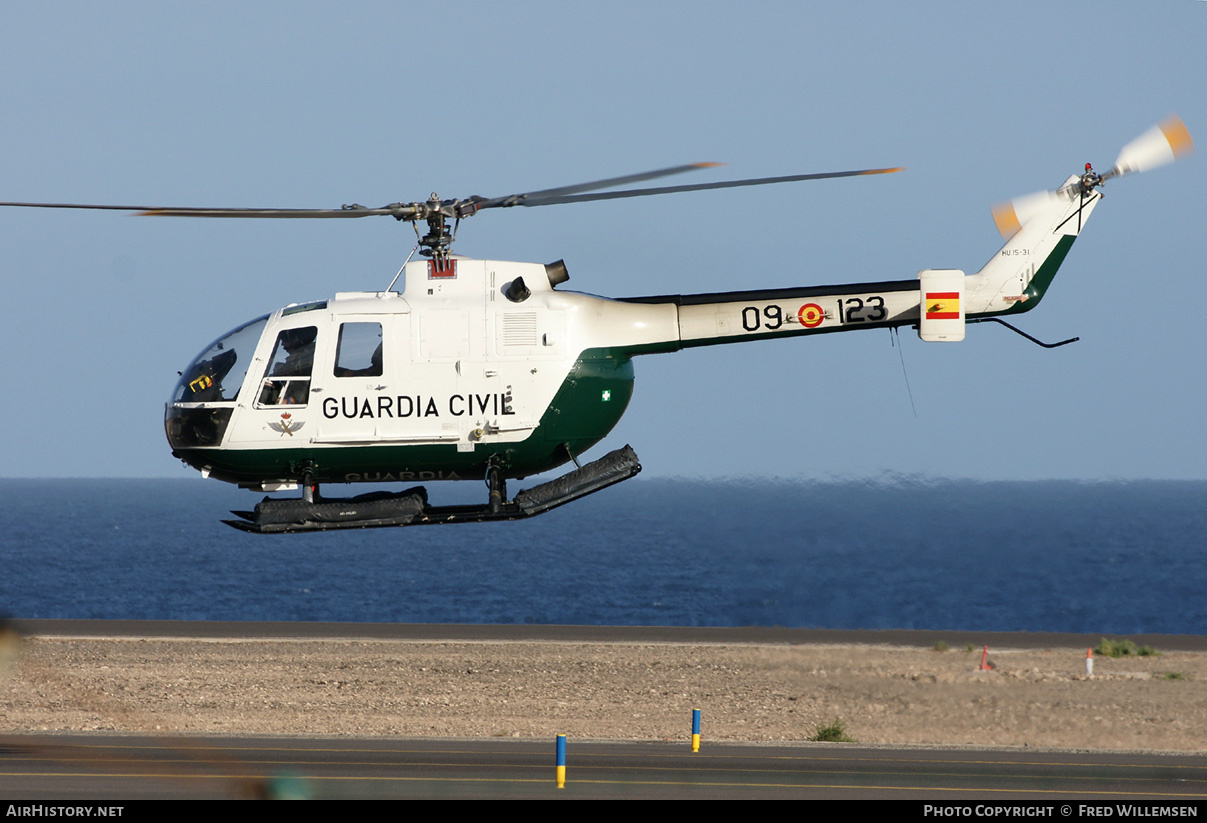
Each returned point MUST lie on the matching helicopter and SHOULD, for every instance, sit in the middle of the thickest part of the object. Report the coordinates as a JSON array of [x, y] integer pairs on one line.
[[487, 370]]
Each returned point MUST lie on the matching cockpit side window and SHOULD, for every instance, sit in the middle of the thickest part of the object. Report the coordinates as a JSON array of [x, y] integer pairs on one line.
[[359, 351], [216, 374], [287, 382]]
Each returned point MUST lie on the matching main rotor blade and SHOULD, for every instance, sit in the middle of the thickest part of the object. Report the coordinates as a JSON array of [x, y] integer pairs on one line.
[[395, 210], [728, 184], [398, 209], [515, 199], [416, 211], [76, 206]]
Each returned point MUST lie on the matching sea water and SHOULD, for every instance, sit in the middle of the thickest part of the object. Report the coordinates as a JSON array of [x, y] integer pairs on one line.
[[1110, 557]]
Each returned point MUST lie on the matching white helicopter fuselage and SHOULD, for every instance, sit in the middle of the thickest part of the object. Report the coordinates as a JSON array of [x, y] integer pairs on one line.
[[431, 383], [479, 362]]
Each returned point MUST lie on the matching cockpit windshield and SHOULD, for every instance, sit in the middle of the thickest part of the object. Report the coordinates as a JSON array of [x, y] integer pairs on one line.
[[217, 373]]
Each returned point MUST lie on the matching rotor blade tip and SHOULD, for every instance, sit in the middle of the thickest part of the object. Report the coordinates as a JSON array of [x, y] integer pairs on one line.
[[893, 170], [1006, 219], [707, 165], [1178, 135]]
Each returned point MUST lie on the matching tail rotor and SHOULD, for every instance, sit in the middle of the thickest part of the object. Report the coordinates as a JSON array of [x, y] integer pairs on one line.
[[1161, 145], [1164, 143]]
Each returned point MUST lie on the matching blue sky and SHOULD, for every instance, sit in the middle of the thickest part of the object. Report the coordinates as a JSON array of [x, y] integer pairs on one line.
[[315, 105]]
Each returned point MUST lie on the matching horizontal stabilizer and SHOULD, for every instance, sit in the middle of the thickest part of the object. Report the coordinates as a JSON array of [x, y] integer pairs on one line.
[[941, 311]]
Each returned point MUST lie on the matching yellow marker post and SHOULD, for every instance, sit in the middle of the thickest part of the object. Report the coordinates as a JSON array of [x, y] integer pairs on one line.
[[561, 761], [695, 730]]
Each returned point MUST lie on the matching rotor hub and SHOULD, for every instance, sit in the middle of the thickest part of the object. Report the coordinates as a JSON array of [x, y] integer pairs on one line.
[[1090, 179]]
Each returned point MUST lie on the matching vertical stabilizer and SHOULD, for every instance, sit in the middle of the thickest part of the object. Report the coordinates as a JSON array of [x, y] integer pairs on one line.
[[1039, 230]]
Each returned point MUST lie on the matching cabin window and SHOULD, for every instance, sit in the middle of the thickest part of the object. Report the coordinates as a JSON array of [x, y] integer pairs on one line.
[[358, 353], [287, 382]]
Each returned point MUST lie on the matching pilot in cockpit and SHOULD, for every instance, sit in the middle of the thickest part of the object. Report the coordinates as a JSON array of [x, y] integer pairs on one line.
[[299, 349], [297, 345]]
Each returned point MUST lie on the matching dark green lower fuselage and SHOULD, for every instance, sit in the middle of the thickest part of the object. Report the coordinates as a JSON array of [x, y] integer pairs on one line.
[[588, 405]]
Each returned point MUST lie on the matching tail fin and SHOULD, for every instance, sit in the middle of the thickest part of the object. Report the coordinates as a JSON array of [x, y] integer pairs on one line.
[[1039, 229]]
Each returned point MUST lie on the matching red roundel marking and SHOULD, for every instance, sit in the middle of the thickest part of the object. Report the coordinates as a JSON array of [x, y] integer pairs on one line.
[[811, 315]]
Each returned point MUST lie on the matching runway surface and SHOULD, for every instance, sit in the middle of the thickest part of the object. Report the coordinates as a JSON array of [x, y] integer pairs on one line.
[[101, 768]]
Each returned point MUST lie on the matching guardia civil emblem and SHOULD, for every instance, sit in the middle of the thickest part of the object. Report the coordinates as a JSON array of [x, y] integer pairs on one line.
[[287, 426]]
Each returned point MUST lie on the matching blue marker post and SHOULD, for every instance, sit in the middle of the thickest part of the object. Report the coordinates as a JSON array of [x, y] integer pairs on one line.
[[695, 730], [561, 761]]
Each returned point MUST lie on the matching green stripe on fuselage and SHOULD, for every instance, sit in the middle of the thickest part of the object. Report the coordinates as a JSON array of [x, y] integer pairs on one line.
[[1039, 284], [586, 407]]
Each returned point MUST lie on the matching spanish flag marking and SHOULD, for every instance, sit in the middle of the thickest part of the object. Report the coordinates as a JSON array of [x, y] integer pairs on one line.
[[942, 305]]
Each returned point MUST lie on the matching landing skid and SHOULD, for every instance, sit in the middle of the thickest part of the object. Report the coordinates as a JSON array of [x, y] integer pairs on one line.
[[410, 508]]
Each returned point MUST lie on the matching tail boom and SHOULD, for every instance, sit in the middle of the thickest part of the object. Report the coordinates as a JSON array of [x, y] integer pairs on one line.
[[1041, 231]]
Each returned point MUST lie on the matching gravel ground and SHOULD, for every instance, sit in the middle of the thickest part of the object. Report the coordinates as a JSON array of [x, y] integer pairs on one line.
[[746, 692]]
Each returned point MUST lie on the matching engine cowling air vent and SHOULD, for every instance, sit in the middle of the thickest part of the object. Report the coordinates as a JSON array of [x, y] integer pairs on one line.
[[519, 328]]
